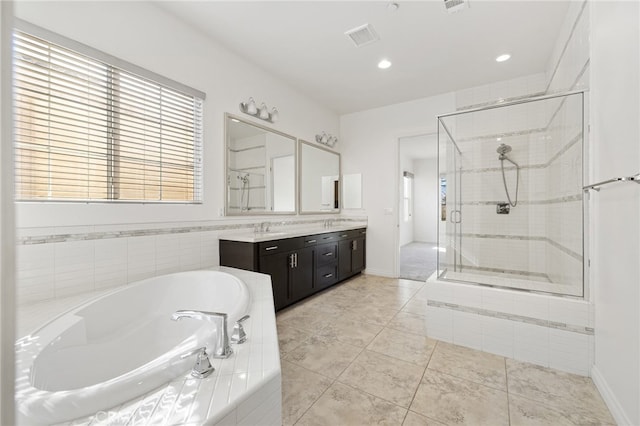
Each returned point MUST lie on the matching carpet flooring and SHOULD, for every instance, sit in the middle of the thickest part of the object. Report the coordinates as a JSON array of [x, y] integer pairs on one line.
[[418, 261]]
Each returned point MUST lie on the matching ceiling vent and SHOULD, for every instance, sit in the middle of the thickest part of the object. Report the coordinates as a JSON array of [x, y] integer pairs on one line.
[[362, 35], [453, 6]]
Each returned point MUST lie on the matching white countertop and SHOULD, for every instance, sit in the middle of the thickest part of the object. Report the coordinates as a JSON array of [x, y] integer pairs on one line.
[[289, 232]]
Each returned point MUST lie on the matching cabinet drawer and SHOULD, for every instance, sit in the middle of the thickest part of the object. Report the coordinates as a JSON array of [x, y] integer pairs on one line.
[[328, 237], [326, 275], [326, 253], [279, 246], [312, 240]]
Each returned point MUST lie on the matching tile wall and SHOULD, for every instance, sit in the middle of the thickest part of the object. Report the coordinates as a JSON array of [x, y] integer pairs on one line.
[[541, 238], [545, 330], [60, 262], [552, 331]]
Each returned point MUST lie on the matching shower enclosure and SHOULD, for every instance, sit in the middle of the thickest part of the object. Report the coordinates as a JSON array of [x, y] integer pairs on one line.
[[511, 178]]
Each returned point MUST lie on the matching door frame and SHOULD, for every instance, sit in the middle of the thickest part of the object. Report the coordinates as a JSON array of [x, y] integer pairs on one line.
[[398, 189]]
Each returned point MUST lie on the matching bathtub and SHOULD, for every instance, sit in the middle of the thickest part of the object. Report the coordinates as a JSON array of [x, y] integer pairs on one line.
[[121, 345]]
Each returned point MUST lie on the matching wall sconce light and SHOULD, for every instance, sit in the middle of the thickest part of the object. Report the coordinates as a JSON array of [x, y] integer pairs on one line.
[[262, 113], [326, 139]]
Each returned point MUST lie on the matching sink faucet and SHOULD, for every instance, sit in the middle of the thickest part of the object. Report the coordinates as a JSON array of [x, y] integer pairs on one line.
[[221, 348], [263, 227]]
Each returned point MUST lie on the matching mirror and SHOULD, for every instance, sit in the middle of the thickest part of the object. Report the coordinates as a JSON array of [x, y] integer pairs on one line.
[[319, 179], [352, 191], [261, 169]]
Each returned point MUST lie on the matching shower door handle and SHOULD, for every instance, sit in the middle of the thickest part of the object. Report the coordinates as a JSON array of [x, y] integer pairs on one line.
[[455, 216]]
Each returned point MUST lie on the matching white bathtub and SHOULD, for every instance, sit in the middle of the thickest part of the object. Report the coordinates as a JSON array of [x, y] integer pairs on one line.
[[120, 345]]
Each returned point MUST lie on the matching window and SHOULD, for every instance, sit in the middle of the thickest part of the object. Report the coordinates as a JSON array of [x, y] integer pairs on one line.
[[407, 180], [87, 130]]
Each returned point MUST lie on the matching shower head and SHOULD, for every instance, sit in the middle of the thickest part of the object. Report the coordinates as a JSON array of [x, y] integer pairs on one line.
[[503, 150]]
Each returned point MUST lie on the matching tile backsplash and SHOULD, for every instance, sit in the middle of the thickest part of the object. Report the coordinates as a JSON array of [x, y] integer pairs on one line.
[[60, 262]]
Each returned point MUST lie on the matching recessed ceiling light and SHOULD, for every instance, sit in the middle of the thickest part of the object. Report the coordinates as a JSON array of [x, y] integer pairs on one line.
[[384, 64], [503, 58]]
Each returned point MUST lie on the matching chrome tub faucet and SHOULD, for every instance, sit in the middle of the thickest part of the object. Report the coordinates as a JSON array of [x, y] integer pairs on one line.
[[221, 348]]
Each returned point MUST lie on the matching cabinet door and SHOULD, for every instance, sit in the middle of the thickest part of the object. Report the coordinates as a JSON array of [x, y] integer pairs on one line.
[[277, 265], [357, 255], [344, 259], [302, 276]]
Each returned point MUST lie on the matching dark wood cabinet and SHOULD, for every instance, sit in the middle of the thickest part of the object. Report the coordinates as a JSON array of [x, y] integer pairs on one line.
[[300, 266], [351, 254]]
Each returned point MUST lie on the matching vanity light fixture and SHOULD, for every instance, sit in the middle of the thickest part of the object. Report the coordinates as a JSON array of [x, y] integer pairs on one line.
[[262, 113], [326, 139]]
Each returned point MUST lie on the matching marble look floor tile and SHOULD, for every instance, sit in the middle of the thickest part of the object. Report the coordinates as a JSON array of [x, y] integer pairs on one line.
[[305, 318], [470, 364], [350, 331], [370, 314], [343, 405], [300, 389], [456, 401], [385, 377], [526, 412], [290, 338], [415, 419], [566, 392], [409, 323], [407, 347], [410, 283], [327, 356]]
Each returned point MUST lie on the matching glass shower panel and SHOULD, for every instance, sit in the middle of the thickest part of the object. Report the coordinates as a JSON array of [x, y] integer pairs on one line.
[[449, 235], [514, 207]]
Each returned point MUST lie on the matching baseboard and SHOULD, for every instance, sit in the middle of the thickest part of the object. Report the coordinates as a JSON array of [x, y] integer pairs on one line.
[[609, 398], [379, 272]]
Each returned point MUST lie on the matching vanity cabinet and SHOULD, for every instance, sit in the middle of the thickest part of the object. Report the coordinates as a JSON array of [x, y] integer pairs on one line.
[[352, 253], [300, 266], [293, 271]]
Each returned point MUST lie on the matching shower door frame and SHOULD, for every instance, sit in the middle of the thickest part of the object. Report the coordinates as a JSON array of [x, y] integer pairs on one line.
[[441, 272]]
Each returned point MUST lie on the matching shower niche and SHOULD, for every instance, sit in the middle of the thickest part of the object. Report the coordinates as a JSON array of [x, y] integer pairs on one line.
[[261, 169], [514, 209]]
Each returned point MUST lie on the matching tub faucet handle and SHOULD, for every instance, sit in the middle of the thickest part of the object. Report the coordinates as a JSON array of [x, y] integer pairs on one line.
[[203, 367], [239, 336]]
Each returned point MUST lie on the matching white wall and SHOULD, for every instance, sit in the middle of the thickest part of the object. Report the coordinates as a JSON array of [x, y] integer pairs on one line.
[[7, 247], [370, 147], [427, 200], [145, 35], [615, 136], [85, 247]]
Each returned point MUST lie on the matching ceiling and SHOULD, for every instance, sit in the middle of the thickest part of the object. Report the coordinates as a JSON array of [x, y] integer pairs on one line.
[[432, 51]]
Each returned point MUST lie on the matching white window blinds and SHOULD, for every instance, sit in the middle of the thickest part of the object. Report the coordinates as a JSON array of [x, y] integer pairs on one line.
[[88, 130]]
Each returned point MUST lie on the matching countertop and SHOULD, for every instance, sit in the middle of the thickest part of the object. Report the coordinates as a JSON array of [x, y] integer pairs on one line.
[[292, 232]]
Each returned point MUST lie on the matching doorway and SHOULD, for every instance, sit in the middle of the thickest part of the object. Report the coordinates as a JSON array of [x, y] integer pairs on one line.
[[418, 201]]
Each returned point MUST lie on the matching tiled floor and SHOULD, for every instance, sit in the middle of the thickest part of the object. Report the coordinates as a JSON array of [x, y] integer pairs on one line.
[[358, 354]]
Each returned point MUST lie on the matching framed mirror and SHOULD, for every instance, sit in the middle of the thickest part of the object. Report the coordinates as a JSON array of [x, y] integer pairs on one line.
[[260, 169], [319, 174]]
